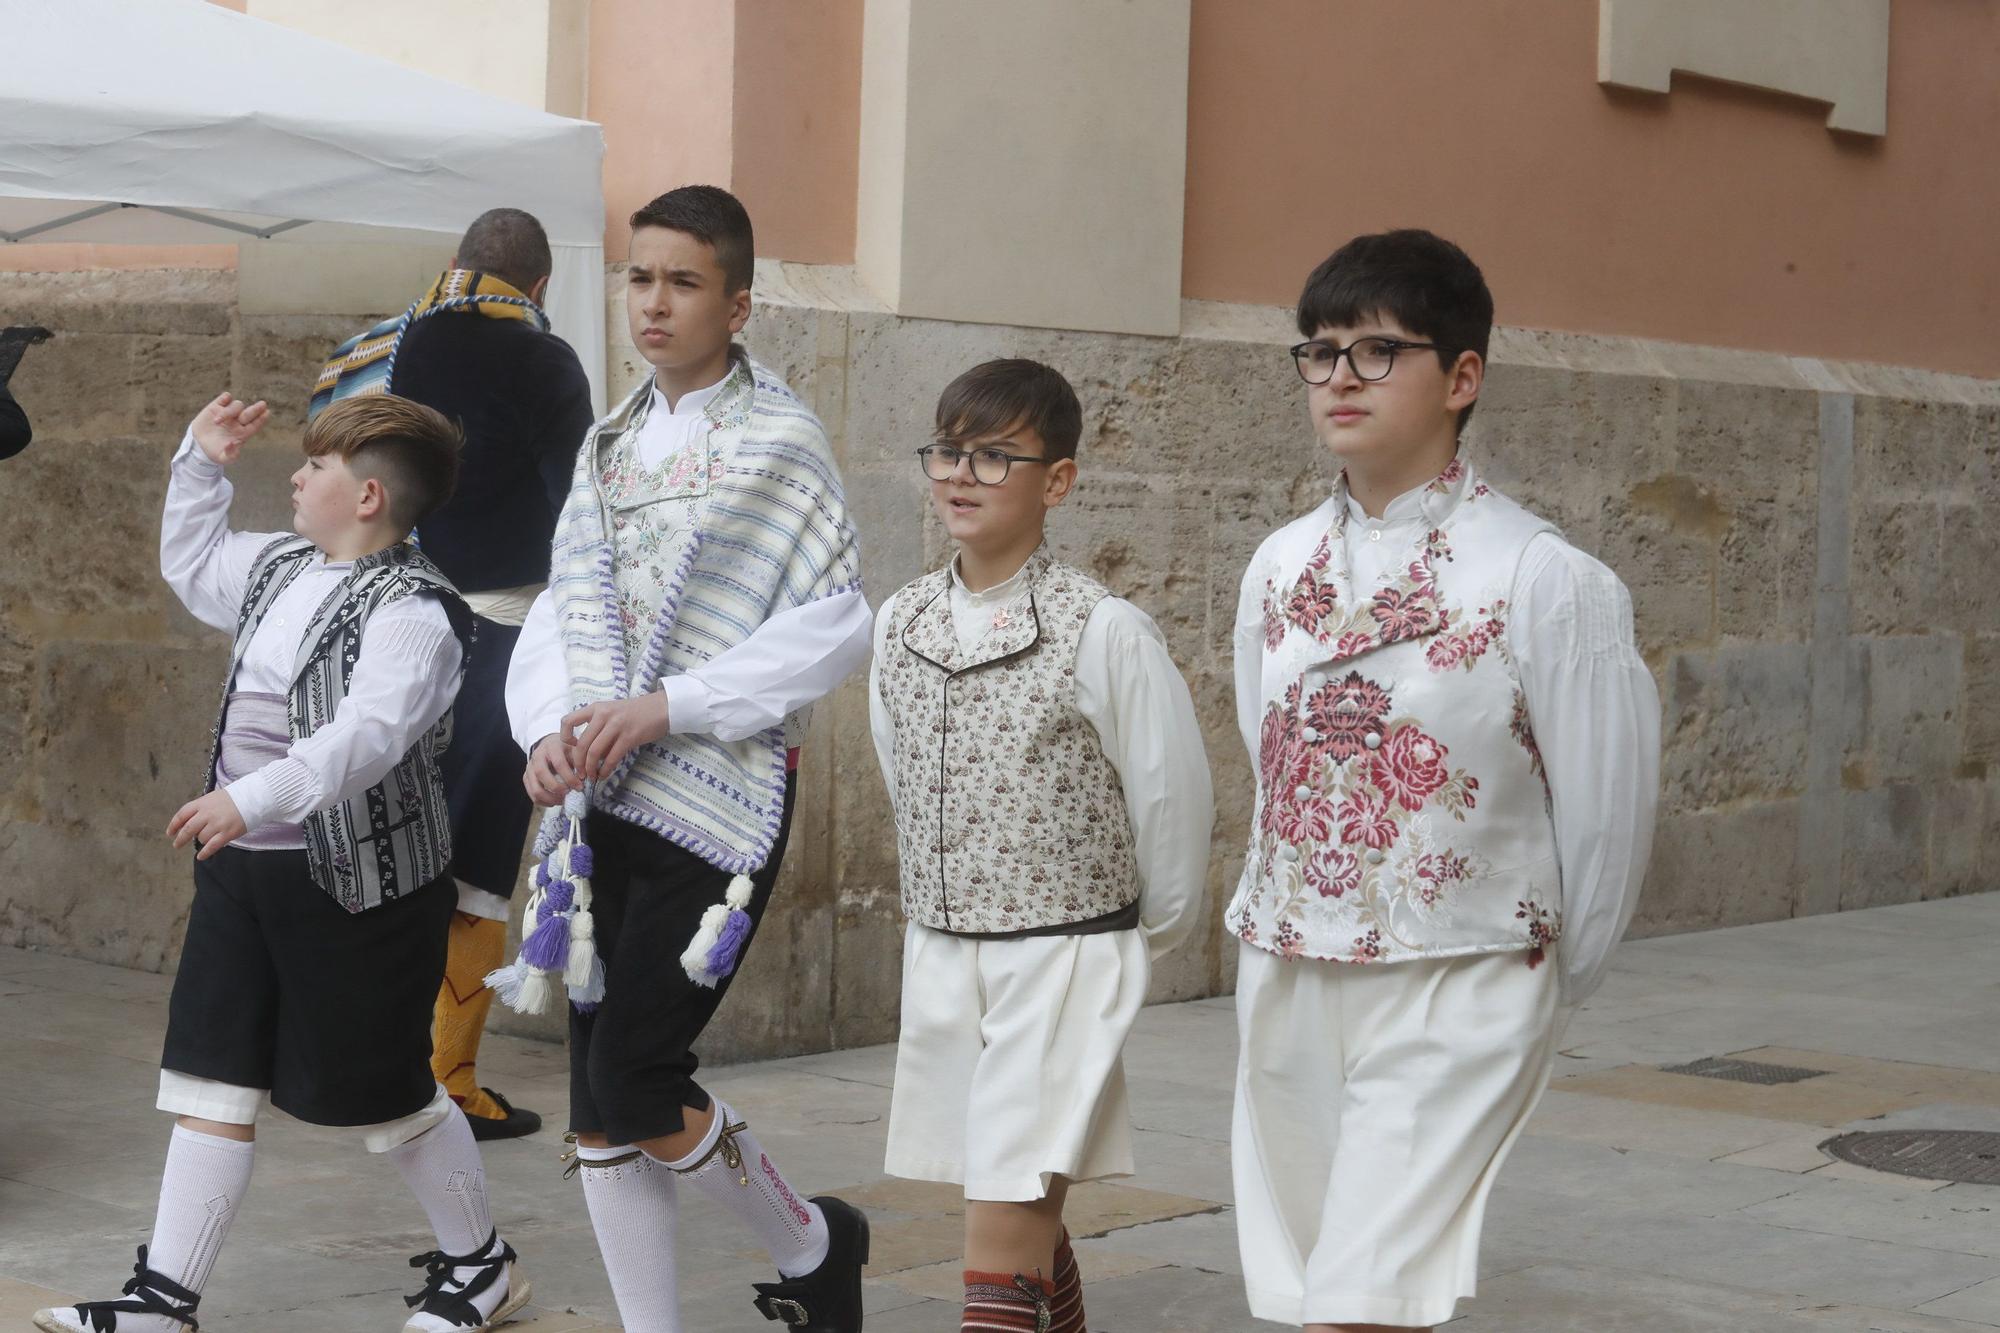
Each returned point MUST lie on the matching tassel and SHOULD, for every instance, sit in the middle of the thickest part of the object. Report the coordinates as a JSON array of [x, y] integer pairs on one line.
[[718, 945], [695, 960], [581, 862], [582, 948], [536, 992], [728, 948], [505, 982], [590, 994], [547, 948]]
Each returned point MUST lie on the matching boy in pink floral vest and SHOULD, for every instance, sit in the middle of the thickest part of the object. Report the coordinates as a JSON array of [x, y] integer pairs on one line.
[[1457, 750]]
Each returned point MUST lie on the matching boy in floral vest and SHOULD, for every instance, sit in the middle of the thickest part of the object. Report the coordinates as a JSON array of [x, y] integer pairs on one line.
[[1052, 814], [321, 884], [1456, 747]]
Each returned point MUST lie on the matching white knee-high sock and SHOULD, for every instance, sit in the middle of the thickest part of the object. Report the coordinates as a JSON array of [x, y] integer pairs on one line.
[[633, 1210], [732, 1168], [442, 1168], [201, 1189]]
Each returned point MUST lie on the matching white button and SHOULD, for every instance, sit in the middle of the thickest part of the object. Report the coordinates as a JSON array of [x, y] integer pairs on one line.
[[1302, 791], [1375, 536], [1288, 853], [1372, 740], [1310, 734], [1375, 857]]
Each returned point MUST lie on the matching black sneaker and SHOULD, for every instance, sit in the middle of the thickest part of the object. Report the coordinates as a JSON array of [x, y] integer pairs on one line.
[[828, 1299], [513, 1125]]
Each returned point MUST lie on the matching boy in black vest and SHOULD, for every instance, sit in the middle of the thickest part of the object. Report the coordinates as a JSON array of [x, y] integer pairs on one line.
[[322, 892]]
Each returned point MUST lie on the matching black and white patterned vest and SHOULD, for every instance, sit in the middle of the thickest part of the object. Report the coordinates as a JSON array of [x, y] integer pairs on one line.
[[395, 837]]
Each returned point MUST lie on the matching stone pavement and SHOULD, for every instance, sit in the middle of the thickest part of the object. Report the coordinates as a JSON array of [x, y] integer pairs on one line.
[[1637, 1200]]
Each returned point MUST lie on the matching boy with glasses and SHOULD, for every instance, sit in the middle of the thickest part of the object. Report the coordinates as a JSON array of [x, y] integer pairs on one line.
[[1052, 815], [1457, 750]]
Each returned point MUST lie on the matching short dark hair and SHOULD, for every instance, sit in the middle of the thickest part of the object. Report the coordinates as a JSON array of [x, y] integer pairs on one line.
[[1003, 395], [509, 244], [712, 214], [1415, 277], [411, 449]]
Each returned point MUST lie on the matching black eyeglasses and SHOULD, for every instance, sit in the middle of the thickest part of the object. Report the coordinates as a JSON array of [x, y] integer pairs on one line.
[[1371, 358], [989, 465]]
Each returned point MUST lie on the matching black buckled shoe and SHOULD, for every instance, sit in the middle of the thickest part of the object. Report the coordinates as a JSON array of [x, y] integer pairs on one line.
[[513, 1125], [828, 1299], [147, 1293]]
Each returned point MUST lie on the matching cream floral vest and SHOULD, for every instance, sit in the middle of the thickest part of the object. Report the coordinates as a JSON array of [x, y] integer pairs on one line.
[[1401, 809], [1008, 814]]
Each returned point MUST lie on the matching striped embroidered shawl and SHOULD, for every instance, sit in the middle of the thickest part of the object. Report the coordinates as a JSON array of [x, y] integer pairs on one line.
[[366, 363], [774, 536]]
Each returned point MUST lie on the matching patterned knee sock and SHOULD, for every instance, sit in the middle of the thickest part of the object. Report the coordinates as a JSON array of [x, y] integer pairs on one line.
[[730, 1167], [1006, 1303], [442, 1168], [633, 1210], [477, 946], [1066, 1307], [204, 1183]]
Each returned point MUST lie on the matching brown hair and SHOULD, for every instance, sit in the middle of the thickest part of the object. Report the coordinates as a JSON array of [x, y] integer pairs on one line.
[[411, 449], [1007, 394], [712, 214]]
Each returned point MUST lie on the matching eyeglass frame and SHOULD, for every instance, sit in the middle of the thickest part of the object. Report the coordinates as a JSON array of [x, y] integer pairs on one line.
[[1395, 345], [965, 456]]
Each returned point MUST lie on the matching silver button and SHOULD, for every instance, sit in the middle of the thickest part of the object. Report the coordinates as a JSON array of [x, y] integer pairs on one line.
[[1375, 857], [1302, 791], [1372, 740]]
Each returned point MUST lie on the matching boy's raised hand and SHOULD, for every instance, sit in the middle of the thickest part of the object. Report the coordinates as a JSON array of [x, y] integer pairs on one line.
[[222, 427]]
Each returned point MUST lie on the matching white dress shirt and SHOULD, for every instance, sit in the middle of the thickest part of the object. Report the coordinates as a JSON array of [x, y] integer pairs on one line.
[[1132, 694], [403, 681], [1591, 701]]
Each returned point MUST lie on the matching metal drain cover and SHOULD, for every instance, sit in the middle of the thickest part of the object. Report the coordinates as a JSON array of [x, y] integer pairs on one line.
[[1969, 1156], [1742, 1071]]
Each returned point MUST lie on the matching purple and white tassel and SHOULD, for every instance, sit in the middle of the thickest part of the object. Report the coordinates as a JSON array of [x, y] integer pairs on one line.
[[725, 928], [558, 948]]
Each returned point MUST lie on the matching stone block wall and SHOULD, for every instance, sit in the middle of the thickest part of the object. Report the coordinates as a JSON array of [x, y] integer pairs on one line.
[[1810, 550]]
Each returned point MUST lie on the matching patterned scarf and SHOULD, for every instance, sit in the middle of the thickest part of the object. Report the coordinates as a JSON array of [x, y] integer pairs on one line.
[[366, 363], [775, 535]]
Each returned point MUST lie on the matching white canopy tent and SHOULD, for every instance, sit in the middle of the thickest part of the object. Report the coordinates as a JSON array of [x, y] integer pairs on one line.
[[166, 122]]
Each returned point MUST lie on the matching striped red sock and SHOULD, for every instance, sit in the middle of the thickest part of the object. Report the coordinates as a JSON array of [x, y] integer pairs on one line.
[[1066, 1306], [1005, 1303]]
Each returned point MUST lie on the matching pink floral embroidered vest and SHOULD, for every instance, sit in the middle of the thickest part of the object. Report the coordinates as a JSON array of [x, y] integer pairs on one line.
[[1009, 816], [1401, 811]]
